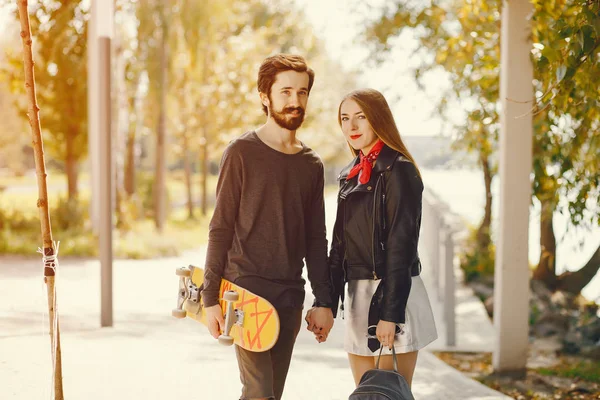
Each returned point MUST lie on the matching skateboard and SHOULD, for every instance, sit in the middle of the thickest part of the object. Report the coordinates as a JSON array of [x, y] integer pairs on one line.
[[251, 322]]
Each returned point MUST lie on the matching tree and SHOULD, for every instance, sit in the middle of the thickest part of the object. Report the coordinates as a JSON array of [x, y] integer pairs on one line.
[[11, 131], [61, 60], [464, 38], [49, 248], [566, 39], [13, 125], [211, 96], [153, 43], [221, 37]]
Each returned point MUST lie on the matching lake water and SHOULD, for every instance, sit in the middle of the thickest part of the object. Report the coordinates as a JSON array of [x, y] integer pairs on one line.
[[464, 192]]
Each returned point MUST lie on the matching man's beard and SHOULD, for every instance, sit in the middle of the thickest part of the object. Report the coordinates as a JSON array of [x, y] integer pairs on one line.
[[285, 120]]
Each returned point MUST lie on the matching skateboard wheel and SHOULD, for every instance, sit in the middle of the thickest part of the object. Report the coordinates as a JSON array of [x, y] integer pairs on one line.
[[177, 313], [183, 272], [230, 295], [225, 340]]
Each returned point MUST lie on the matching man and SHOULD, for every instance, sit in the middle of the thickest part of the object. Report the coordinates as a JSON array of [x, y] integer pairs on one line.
[[269, 216]]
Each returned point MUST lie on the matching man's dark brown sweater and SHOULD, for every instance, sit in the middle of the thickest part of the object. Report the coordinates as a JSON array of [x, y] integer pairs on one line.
[[269, 216]]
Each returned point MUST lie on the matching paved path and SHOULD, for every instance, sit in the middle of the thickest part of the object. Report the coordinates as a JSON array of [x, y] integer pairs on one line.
[[150, 355]]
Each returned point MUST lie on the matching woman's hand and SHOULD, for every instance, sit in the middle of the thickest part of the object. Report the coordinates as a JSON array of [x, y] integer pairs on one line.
[[386, 332]]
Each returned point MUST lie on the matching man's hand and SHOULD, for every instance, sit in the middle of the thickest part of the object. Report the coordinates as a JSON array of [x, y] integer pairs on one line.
[[319, 321], [214, 319]]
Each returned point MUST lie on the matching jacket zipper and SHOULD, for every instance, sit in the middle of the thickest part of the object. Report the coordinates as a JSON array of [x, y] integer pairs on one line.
[[374, 249], [343, 244], [343, 228]]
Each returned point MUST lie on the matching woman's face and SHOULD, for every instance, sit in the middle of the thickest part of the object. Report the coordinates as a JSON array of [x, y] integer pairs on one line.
[[356, 127]]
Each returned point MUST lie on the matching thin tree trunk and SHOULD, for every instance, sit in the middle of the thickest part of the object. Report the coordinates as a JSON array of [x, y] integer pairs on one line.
[[204, 168], [50, 262], [129, 178], [134, 133], [205, 130], [188, 175], [119, 129], [160, 171], [575, 281], [71, 168], [546, 269], [483, 233]]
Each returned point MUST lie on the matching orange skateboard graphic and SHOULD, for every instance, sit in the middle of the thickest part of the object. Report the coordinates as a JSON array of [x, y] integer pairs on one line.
[[251, 322]]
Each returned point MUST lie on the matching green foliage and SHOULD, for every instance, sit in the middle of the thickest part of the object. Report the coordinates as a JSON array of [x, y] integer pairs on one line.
[[534, 313], [214, 51], [566, 37], [130, 212], [59, 33], [69, 215], [463, 37], [476, 261], [12, 131], [145, 190], [20, 227], [142, 241], [20, 231]]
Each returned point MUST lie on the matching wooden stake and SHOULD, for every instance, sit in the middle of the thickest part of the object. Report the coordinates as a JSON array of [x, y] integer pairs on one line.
[[42, 203]]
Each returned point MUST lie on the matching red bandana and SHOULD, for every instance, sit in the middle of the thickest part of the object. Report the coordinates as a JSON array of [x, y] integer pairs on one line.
[[366, 164]]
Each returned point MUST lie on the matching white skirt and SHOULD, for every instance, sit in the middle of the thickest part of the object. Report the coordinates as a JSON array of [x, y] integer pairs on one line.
[[418, 331]]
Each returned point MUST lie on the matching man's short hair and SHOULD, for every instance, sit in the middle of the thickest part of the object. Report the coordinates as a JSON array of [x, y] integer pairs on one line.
[[273, 65]]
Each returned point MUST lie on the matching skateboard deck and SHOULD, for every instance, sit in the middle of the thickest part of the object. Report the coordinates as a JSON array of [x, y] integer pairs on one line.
[[251, 322]]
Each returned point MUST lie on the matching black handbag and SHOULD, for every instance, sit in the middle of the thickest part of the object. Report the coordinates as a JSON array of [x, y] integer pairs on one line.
[[381, 384]]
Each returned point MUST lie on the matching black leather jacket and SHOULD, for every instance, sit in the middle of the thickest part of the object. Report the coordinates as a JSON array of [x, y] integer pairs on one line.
[[377, 231]]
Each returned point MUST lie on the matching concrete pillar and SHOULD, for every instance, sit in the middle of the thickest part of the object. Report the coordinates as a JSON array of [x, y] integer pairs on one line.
[[511, 293], [106, 185]]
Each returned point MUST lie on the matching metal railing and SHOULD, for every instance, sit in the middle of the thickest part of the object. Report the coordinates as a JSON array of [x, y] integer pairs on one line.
[[439, 229]]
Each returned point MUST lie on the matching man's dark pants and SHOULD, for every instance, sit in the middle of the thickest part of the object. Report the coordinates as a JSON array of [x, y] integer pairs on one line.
[[263, 374]]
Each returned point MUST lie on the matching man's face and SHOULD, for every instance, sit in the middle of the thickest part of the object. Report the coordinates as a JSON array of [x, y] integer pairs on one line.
[[288, 98]]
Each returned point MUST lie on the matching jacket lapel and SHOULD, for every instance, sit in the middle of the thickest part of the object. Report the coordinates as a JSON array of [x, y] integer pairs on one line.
[[385, 161]]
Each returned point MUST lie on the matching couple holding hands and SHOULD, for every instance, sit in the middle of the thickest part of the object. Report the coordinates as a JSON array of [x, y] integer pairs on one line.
[[270, 217]]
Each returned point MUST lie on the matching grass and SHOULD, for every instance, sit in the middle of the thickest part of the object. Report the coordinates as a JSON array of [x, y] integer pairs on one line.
[[142, 240], [20, 227], [179, 234], [576, 377], [53, 178], [588, 370]]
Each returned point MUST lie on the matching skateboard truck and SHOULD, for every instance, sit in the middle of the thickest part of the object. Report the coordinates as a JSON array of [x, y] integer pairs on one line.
[[185, 286], [189, 294], [232, 316]]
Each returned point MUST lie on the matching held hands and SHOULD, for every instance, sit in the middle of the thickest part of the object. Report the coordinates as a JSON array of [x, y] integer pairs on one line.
[[319, 321], [215, 321], [386, 333]]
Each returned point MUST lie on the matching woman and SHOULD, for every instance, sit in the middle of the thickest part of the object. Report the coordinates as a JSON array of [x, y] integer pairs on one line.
[[374, 246]]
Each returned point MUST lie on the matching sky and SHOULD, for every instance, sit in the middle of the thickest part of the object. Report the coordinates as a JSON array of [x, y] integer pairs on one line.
[[3, 19], [338, 24]]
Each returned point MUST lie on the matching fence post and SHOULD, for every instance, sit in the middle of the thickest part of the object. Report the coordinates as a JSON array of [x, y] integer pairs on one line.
[[435, 249], [449, 288]]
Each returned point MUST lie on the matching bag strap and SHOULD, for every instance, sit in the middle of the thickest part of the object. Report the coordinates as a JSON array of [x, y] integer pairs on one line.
[[393, 355]]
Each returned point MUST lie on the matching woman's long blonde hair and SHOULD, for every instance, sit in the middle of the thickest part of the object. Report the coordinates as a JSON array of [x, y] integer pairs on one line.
[[378, 113]]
